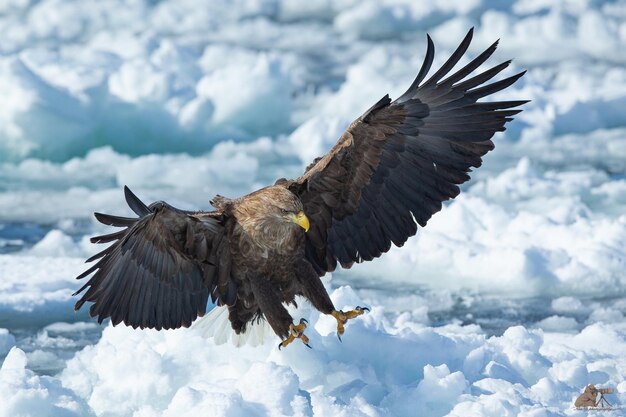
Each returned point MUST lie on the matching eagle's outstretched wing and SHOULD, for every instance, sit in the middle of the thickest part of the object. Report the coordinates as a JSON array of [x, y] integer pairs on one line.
[[399, 161], [161, 268]]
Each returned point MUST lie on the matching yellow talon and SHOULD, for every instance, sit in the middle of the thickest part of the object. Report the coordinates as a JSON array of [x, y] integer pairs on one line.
[[296, 332], [343, 317]]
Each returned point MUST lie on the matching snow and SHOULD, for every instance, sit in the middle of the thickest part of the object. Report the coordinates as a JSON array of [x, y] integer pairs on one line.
[[33, 282], [566, 304], [380, 369], [558, 323], [7, 341], [509, 302], [22, 392]]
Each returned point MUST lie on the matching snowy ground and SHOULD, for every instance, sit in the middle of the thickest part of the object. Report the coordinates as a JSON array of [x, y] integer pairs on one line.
[[508, 303]]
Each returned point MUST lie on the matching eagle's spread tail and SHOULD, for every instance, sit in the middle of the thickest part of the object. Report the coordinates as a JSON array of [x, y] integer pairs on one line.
[[215, 324]]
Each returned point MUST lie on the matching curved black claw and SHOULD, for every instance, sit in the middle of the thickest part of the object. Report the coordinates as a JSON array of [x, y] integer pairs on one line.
[[359, 308], [303, 320]]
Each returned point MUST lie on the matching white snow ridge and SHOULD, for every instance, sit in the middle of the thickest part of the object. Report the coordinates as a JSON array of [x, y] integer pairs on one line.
[[508, 303]]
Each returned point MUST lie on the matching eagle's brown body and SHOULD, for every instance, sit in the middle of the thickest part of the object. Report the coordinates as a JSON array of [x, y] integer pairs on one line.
[[389, 172], [271, 264]]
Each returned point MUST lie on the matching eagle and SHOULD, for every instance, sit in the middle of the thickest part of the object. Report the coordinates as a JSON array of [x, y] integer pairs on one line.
[[390, 171]]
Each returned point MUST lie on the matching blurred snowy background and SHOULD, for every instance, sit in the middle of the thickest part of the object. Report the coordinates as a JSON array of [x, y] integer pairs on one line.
[[508, 303]]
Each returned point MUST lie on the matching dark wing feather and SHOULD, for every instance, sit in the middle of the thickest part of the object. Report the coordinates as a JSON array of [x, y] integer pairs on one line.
[[161, 268], [395, 165]]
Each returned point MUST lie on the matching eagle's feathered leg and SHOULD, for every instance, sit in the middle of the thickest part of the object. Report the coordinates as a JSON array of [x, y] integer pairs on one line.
[[275, 312], [271, 306], [312, 289]]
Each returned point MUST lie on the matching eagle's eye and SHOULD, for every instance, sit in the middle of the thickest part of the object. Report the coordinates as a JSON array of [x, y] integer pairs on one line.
[[283, 211]]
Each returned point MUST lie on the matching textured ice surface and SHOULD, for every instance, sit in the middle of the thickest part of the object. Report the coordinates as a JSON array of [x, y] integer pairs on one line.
[[508, 303]]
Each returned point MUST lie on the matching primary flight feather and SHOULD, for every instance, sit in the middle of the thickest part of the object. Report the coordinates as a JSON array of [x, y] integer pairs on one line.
[[389, 172]]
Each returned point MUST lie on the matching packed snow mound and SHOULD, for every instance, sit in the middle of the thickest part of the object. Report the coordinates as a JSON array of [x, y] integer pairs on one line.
[[380, 369]]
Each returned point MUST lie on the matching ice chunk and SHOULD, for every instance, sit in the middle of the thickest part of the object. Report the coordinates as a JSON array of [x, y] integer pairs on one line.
[[558, 323], [7, 341], [435, 395], [56, 244], [38, 285], [566, 304], [25, 394]]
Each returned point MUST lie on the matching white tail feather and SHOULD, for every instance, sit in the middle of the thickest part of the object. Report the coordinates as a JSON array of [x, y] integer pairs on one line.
[[215, 324]]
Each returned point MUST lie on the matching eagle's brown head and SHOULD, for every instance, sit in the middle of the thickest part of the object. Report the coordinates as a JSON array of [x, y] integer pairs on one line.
[[273, 216]]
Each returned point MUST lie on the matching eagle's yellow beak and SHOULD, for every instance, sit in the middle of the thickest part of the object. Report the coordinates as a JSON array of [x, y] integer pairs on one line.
[[301, 220]]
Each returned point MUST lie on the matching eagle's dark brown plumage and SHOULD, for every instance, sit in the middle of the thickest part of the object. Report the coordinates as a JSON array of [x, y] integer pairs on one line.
[[390, 171]]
